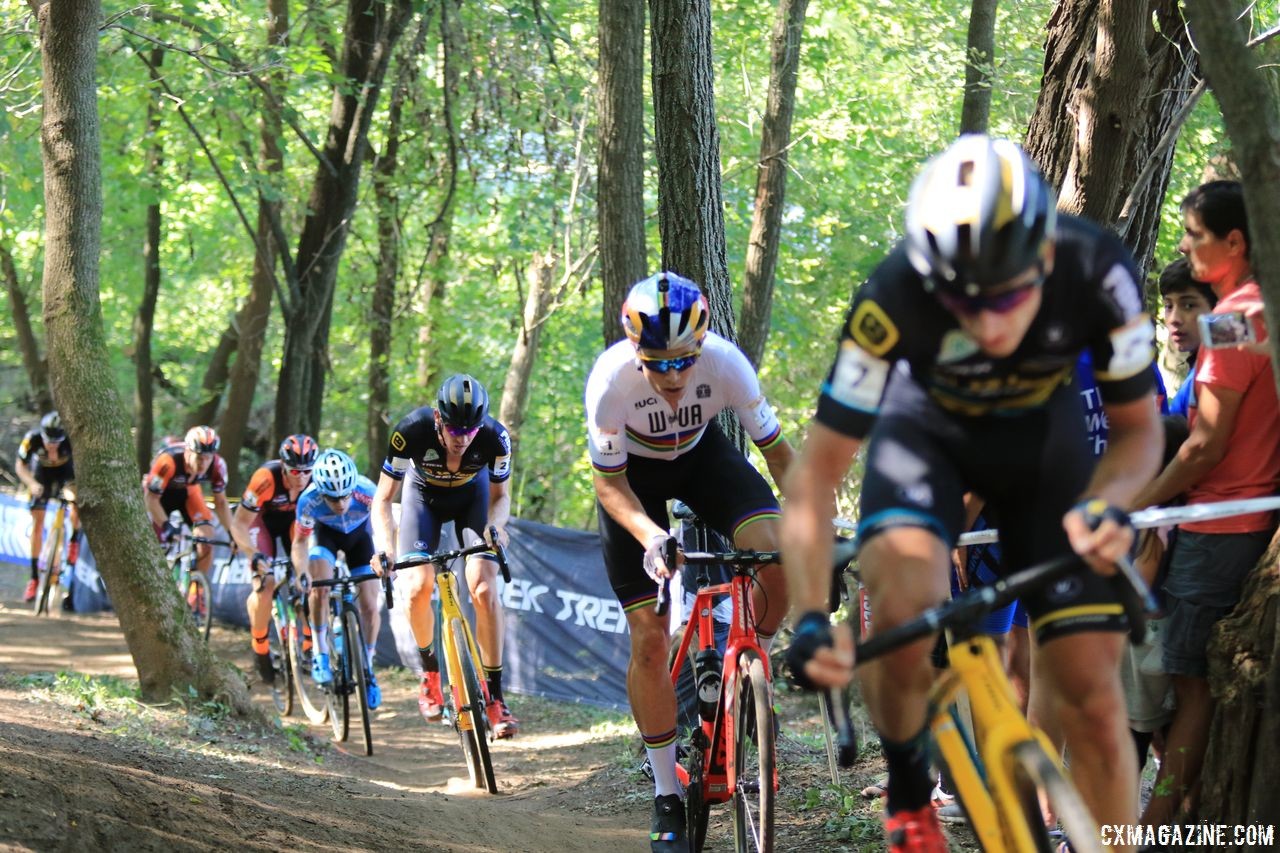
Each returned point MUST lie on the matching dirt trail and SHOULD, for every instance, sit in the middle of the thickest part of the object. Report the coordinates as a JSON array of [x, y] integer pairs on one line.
[[84, 779]]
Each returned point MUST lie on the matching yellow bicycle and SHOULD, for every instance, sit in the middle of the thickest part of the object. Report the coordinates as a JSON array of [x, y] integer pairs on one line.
[[468, 695], [1001, 774], [52, 555]]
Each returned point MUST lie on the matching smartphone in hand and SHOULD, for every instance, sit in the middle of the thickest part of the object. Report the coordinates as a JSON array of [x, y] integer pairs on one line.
[[1228, 329]]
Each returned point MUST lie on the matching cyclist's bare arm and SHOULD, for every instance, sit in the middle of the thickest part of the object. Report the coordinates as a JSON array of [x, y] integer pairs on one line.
[[384, 523], [154, 508], [26, 476], [241, 521], [618, 499], [779, 458], [1204, 448], [298, 551], [499, 510], [808, 507], [222, 509]]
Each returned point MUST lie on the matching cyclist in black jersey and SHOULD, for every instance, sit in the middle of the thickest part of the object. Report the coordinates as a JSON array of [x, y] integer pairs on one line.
[[45, 467], [458, 459], [955, 365]]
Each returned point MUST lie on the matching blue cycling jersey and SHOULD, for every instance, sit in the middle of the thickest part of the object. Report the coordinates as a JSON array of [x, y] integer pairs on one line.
[[313, 510]]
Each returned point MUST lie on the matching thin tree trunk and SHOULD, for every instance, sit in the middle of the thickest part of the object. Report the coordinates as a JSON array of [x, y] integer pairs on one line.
[[144, 321], [515, 390], [32, 360], [204, 411], [975, 112], [620, 183], [771, 179], [169, 656]]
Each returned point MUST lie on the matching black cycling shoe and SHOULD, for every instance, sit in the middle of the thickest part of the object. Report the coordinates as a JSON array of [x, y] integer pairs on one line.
[[266, 671], [667, 832], [68, 605]]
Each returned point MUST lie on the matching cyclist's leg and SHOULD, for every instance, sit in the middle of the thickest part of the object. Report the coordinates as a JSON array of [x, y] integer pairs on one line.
[[419, 534], [359, 550], [482, 577], [37, 507], [320, 561], [201, 520], [262, 589]]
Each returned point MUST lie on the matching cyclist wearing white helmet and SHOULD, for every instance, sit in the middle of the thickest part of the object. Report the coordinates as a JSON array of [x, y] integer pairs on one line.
[[333, 516], [956, 366], [650, 402], [45, 466]]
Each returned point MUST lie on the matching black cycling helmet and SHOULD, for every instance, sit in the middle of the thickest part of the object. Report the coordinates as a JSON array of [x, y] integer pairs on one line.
[[979, 215], [51, 427], [462, 402], [299, 452]]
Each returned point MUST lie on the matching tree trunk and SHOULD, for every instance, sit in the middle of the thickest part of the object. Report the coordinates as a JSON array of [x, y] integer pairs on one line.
[[32, 360], [979, 67], [1072, 36], [1242, 766], [205, 409], [515, 390], [620, 183], [144, 321], [255, 315], [771, 178], [162, 639], [371, 31]]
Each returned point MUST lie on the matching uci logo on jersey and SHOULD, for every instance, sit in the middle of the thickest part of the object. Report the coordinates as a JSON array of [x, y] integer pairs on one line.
[[872, 329]]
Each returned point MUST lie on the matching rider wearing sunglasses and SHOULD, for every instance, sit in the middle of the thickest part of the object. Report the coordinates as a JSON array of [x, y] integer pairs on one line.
[[266, 513], [651, 404], [458, 460], [956, 367]]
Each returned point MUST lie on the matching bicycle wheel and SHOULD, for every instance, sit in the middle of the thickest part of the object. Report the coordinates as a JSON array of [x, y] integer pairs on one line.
[[697, 810], [338, 693], [1035, 771], [754, 756], [277, 632], [51, 563], [199, 602], [310, 694], [469, 718], [359, 666]]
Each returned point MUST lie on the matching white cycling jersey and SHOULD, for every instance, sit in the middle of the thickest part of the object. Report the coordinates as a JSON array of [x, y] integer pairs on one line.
[[626, 416]]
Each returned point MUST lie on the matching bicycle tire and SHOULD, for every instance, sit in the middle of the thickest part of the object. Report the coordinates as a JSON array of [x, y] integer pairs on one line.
[[310, 694], [277, 632], [338, 693], [697, 811], [50, 558], [469, 718], [755, 757], [356, 658], [1033, 764]]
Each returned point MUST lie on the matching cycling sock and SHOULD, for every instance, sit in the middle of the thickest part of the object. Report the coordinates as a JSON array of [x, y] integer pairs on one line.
[[322, 640], [430, 663], [662, 759], [260, 645], [909, 783], [1141, 742], [35, 568], [73, 550], [368, 657], [494, 676], [766, 641], [306, 637]]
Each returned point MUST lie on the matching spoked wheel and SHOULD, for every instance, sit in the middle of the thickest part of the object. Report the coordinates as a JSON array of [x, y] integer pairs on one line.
[[753, 796], [199, 602], [277, 631], [1035, 772], [696, 808], [469, 718], [356, 658], [46, 589], [310, 694], [338, 692]]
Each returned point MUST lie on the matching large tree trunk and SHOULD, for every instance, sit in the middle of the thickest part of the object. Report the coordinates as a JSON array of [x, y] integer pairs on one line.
[[771, 178], [371, 31], [255, 315], [1241, 774], [169, 656], [144, 321], [515, 390], [32, 360], [979, 67], [620, 184]]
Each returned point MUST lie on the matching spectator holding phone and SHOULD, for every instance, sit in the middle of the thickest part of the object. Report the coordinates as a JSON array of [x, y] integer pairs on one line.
[[1232, 452]]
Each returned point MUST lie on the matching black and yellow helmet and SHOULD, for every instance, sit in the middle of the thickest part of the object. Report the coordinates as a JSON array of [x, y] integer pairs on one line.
[[978, 215]]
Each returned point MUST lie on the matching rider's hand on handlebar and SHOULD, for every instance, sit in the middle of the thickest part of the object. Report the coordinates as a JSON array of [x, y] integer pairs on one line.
[[259, 562], [1101, 533], [502, 536], [820, 655], [381, 564], [655, 561]]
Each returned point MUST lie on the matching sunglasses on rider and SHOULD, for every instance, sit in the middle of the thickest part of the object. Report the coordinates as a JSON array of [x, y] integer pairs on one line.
[[997, 303], [665, 365], [297, 472], [461, 432]]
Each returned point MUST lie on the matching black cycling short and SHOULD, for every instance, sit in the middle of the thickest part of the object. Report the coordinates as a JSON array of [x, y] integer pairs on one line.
[[1031, 468], [717, 482], [180, 499], [270, 526], [356, 545], [53, 480], [424, 511]]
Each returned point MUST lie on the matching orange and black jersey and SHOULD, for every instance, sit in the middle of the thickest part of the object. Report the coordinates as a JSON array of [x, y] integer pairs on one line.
[[267, 491], [415, 440], [33, 450], [169, 472], [1090, 300]]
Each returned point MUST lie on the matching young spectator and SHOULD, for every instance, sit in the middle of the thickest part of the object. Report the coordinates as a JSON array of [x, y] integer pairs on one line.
[[1185, 299]]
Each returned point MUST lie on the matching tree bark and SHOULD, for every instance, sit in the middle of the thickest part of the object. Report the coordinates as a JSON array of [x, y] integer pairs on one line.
[[162, 639], [144, 320], [980, 54], [32, 360], [370, 34], [1072, 35], [620, 181], [255, 315], [771, 179], [515, 390]]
